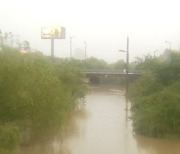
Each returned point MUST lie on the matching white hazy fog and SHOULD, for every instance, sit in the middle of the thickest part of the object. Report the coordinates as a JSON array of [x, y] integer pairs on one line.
[[103, 24]]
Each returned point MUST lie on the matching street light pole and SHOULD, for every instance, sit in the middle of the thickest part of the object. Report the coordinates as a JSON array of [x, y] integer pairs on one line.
[[155, 53], [169, 44], [52, 48], [1, 39], [127, 64], [70, 46], [85, 49]]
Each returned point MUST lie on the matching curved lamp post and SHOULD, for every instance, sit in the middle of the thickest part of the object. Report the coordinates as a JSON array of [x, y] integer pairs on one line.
[[155, 53], [127, 63], [169, 44], [85, 49]]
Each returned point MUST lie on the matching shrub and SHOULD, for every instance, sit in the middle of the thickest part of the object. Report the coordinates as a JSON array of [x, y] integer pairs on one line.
[[155, 98], [35, 93]]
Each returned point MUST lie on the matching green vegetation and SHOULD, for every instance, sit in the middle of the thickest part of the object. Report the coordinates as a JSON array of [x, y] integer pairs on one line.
[[93, 63], [11, 39], [36, 95], [155, 96]]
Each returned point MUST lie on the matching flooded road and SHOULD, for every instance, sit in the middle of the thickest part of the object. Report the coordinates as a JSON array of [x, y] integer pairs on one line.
[[105, 130]]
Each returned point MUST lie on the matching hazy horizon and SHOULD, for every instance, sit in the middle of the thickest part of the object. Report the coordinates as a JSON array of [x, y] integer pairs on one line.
[[104, 25]]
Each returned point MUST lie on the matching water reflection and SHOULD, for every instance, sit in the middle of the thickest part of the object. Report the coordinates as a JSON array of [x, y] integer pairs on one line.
[[150, 145], [56, 143], [104, 129]]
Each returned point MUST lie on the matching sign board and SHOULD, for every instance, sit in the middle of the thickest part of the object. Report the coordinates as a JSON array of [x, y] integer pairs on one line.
[[54, 32]]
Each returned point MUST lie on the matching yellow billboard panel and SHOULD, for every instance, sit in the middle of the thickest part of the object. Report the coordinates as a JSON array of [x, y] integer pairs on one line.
[[54, 32]]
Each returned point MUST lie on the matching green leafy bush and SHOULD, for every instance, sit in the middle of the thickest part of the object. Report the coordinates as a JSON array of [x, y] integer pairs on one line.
[[155, 97], [36, 94]]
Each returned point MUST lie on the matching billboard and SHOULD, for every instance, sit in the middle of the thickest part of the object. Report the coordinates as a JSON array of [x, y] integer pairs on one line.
[[53, 32]]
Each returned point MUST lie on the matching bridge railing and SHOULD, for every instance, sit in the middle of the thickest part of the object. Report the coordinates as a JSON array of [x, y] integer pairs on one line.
[[108, 71]]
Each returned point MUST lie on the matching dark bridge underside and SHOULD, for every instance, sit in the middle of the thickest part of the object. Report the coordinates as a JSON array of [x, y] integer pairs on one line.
[[109, 74], [95, 76]]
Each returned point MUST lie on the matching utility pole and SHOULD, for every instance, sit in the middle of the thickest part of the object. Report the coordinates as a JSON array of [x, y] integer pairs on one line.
[[127, 71], [169, 44], [52, 48], [71, 45], [85, 49], [1, 39], [155, 53], [127, 65]]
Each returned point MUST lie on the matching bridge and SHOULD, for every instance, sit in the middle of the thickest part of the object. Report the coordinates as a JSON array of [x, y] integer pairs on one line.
[[95, 75]]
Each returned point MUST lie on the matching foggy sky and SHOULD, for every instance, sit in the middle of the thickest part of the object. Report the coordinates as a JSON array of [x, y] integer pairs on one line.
[[103, 24]]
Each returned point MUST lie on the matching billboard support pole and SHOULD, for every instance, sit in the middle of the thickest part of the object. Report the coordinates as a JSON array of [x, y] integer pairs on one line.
[[54, 32], [52, 48]]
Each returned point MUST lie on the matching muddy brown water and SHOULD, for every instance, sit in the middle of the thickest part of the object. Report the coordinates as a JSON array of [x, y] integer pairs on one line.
[[105, 130]]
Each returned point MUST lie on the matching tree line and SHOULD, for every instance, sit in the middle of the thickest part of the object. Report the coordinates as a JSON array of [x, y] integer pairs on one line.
[[155, 96]]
